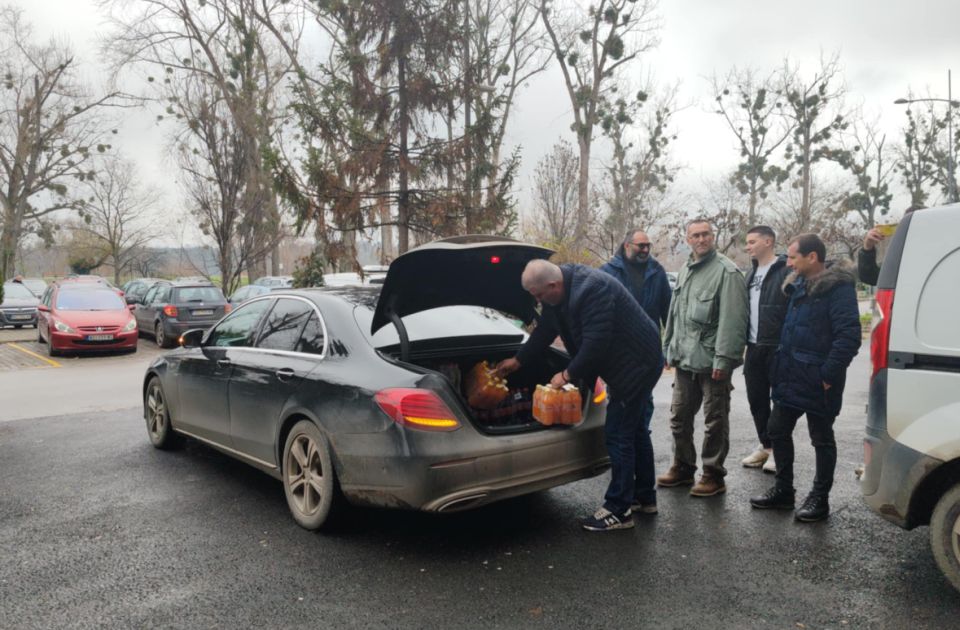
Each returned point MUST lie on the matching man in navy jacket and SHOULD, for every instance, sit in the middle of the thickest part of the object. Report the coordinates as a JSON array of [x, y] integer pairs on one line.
[[820, 337], [609, 336]]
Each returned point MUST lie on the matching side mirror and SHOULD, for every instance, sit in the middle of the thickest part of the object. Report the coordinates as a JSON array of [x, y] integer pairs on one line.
[[131, 299], [192, 338], [43, 308]]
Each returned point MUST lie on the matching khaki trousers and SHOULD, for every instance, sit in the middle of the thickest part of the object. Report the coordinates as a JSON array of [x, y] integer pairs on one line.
[[690, 390]]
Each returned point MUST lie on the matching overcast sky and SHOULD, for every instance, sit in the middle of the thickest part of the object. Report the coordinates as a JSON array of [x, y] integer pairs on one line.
[[886, 48]]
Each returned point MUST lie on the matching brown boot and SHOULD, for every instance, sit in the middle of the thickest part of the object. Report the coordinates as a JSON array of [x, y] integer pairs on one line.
[[678, 475], [708, 486]]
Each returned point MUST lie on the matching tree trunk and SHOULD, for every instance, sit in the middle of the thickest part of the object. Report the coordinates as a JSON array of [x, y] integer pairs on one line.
[[583, 196], [403, 202]]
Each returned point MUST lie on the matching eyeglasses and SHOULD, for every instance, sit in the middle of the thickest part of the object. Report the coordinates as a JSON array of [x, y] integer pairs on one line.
[[641, 245]]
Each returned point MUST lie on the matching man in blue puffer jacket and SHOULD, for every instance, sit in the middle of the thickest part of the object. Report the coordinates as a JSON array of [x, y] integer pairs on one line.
[[642, 275], [820, 337]]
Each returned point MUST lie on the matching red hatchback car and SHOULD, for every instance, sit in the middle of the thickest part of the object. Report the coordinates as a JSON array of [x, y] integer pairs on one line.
[[85, 317]]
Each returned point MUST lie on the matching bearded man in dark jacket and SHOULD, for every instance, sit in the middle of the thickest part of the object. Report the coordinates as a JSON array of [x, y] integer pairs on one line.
[[820, 337], [609, 336]]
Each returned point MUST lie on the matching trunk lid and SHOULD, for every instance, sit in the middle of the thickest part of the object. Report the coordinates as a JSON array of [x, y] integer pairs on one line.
[[477, 270]]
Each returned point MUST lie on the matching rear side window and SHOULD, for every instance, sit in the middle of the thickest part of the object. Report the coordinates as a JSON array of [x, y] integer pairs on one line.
[[238, 329], [281, 330], [312, 338], [197, 294]]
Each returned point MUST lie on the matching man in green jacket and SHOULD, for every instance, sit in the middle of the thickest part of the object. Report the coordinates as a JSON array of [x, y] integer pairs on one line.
[[704, 340]]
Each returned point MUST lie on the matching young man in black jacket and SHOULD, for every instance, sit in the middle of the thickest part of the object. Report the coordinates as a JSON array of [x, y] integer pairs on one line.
[[768, 306], [607, 334]]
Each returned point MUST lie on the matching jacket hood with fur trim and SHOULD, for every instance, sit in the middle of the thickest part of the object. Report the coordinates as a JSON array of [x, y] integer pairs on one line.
[[837, 273]]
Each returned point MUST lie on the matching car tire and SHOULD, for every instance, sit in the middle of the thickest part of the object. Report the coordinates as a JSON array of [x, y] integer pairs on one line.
[[51, 351], [40, 338], [157, 415], [162, 340], [945, 535], [309, 481]]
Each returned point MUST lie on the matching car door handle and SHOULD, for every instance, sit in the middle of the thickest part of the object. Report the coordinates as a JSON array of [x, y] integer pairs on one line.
[[285, 374], [223, 363]]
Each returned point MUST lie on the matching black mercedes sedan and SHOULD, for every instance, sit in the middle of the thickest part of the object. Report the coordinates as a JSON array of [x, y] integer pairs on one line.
[[357, 394]]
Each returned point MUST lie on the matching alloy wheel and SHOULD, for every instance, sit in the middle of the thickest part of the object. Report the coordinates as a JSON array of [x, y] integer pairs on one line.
[[305, 475], [158, 333], [955, 539], [156, 413]]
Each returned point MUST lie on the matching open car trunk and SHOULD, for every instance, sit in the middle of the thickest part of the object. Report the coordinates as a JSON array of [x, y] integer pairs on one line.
[[515, 413]]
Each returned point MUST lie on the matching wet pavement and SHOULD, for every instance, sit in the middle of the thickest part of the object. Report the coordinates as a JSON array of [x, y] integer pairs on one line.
[[98, 529]]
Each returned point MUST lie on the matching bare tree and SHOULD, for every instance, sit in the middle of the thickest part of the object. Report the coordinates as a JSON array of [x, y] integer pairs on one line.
[[871, 162], [637, 179], [752, 108], [917, 153], [592, 53], [50, 127], [815, 107], [725, 206], [555, 210], [221, 43], [119, 216], [215, 174]]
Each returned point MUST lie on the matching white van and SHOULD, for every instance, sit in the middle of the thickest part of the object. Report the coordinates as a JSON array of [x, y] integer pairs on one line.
[[912, 445]]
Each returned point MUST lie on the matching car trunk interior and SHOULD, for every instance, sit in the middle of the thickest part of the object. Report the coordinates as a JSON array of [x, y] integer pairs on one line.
[[515, 413]]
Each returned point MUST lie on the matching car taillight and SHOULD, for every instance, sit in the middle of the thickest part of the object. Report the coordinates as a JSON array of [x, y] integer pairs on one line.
[[227, 308], [170, 310], [880, 337], [599, 391], [417, 409]]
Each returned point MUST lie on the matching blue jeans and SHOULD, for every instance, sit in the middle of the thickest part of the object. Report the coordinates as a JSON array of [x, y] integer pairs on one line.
[[631, 453]]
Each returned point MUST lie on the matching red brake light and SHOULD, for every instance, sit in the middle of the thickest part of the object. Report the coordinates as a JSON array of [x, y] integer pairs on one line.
[[599, 391], [417, 408], [880, 337], [170, 310], [494, 260]]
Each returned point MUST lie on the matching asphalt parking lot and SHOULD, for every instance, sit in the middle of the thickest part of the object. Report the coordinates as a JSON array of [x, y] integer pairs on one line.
[[98, 529]]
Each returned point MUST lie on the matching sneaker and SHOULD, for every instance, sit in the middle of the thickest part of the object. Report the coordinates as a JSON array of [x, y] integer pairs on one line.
[[678, 475], [708, 486], [814, 508], [770, 466], [643, 508], [757, 458], [604, 520], [773, 499]]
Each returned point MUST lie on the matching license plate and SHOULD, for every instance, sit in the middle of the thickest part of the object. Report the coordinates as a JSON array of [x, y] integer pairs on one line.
[[20, 317], [99, 337], [205, 311]]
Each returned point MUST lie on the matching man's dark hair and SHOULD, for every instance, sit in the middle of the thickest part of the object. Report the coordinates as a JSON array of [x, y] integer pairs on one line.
[[810, 242], [763, 230], [687, 225]]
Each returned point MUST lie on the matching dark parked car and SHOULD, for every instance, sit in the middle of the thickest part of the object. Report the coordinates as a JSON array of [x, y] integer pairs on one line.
[[36, 285], [134, 290], [169, 309], [357, 394], [19, 306], [274, 281], [243, 294]]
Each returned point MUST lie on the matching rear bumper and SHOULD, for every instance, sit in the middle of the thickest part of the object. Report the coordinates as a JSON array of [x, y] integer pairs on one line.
[[18, 318], [78, 343], [174, 328], [891, 474], [478, 471]]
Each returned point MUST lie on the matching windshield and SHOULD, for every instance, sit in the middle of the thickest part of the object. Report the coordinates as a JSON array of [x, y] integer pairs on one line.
[[441, 323], [197, 294], [89, 300], [17, 291]]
